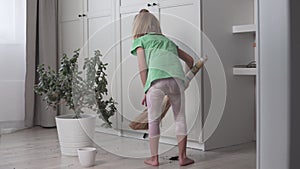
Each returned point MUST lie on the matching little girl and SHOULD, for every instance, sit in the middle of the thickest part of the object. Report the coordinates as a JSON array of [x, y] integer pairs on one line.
[[161, 74]]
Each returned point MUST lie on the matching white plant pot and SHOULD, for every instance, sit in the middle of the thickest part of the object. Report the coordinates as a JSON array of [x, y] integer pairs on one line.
[[87, 156], [75, 133]]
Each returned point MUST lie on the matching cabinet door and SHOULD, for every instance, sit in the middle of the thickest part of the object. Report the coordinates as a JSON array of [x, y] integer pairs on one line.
[[132, 90], [98, 8], [70, 9], [181, 22], [71, 35], [142, 3], [71, 25], [101, 36], [133, 6]]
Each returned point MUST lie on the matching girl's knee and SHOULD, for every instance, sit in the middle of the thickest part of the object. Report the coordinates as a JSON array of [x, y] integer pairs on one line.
[[154, 129]]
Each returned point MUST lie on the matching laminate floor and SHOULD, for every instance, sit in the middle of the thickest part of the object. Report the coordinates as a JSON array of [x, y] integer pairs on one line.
[[38, 148]]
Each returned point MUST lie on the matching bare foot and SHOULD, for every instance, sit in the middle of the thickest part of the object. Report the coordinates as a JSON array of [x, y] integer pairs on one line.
[[152, 161], [186, 161]]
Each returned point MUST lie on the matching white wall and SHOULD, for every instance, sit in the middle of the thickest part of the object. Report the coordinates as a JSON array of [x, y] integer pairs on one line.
[[12, 71], [12, 60], [237, 123]]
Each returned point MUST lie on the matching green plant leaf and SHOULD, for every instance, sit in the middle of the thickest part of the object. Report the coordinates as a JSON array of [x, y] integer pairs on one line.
[[76, 90]]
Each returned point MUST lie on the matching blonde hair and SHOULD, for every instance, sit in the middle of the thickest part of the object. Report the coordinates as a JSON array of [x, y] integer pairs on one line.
[[145, 22]]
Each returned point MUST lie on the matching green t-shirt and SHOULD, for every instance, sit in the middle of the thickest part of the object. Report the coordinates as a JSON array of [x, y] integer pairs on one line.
[[161, 57]]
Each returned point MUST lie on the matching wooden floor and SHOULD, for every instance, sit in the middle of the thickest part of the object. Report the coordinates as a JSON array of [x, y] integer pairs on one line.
[[38, 148]]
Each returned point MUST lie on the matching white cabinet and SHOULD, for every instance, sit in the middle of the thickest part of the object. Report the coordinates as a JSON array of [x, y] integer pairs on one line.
[[71, 25], [131, 88], [89, 25], [181, 22], [71, 28], [70, 9], [100, 35], [127, 3], [106, 25], [133, 6]]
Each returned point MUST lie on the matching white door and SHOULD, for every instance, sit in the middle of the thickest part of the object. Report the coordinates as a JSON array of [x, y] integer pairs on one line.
[[70, 9], [100, 28], [136, 5], [71, 25], [132, 89], [181, 22]]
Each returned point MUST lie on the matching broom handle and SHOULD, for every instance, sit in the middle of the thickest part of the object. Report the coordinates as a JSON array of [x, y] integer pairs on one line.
[[195, 69], [190, 75]]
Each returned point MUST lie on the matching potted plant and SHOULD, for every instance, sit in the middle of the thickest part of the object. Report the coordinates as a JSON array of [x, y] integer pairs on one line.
[[68, 87]]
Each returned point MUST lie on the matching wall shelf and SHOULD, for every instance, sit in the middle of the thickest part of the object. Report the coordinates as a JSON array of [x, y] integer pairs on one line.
[[244, 28], [244, 71]]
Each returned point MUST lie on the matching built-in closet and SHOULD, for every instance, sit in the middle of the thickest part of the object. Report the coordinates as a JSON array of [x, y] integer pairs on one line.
[[193, 25]]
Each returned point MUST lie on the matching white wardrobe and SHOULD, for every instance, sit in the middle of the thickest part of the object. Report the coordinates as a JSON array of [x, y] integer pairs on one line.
[[106, 25], [179, 20]]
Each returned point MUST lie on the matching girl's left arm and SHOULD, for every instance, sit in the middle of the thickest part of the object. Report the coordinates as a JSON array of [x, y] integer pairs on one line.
[[142, 65], [189, 61], [143, 69]]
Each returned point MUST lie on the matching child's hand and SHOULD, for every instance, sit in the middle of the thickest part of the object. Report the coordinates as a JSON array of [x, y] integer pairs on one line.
[[144, 101]]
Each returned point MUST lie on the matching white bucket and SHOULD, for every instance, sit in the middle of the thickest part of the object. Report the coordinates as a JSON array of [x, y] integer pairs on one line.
[[87, 156]]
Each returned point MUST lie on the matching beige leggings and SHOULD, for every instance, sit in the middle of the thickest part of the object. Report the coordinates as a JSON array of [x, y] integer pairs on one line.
[[174, 89]]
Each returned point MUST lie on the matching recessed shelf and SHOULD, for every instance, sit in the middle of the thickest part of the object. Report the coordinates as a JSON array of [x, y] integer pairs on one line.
[[244, 71], [244, 28]]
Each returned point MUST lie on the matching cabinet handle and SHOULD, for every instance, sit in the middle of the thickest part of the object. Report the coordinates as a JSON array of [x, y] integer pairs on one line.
[[154, 4], [148, 5], [84, 15], [79, 15]]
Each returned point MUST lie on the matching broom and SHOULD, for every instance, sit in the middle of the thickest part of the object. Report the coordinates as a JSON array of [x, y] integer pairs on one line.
[[141, 121]]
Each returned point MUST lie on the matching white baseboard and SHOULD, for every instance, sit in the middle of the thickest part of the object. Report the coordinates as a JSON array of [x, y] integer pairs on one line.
[[141, 136], [11, 126]]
